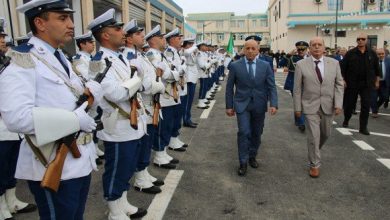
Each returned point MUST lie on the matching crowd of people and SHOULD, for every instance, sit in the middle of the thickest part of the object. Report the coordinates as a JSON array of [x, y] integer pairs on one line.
[[136, 92]]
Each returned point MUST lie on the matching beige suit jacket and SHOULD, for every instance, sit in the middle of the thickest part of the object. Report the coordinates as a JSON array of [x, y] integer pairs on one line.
[[310, 95]]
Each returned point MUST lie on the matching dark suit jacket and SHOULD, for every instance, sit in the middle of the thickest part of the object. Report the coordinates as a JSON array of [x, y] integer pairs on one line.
[[260, 89], [387, 76]]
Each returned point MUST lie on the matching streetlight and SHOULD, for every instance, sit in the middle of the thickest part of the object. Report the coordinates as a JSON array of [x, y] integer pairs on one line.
[[204, 25], [335, 31]]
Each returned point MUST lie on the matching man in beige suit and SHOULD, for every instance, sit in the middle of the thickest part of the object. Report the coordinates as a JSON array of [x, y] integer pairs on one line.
[[318, 94]]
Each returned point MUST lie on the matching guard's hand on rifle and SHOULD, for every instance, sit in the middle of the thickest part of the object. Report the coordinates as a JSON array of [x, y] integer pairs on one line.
[[86, 122], [96, 89], [158, 87]]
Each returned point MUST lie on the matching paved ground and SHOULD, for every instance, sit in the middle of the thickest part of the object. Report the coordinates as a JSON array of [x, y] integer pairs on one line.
[[353, 184]]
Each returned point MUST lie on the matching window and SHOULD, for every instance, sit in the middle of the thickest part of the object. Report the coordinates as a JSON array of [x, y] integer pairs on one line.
[[241, 24], [199, 37], [254, 23], [280, 9], [232, 24], [219, 24], [332, 5], [200, 24], [221, 37], [263, 23], [234, 36], [241, 36], [341, 33]]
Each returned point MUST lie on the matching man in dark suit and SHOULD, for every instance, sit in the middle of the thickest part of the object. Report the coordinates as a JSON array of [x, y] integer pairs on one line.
[[381, 95], [254, 84], [360, 70]]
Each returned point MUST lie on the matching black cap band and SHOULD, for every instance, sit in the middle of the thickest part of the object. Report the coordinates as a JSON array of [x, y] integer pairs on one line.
[[60, 6]]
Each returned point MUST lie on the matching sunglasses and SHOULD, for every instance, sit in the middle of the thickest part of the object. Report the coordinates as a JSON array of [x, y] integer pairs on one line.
[[361, 39], [301, 49]]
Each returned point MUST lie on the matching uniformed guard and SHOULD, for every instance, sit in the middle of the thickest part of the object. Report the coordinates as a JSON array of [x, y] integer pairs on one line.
[[203, 64], [211, 87], [152, 89], [123, 116], [290, 61], [174, 40], [38, 94], [168, 100], [80, 62], [9, 150], [190, 52]]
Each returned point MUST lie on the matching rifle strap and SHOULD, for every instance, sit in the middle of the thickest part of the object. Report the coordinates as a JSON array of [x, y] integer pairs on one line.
[[120, 110], [37, 152]]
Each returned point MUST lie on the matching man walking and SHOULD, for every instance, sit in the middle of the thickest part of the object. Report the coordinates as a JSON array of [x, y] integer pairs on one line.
[[360, 69], [318, 94], [255, 86]]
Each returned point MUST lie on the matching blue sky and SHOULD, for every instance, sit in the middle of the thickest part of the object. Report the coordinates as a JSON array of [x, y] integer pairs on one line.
[[239, 7]]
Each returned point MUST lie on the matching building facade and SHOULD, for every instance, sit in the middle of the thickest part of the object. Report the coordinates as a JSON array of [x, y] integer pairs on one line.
[[294, 20], [148, 13], [217, 27]]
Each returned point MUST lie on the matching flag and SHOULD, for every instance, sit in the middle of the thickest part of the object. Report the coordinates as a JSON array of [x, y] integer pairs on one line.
[[230, 46]]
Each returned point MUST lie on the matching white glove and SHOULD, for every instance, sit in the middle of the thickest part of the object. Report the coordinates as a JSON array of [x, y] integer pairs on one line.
[[137, 64], [132, 85], [86, 122], [96, 89], [158, 87]]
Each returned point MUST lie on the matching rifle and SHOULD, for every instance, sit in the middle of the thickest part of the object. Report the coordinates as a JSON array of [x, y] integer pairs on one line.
[[134, 104], [52, 177], [156, 101], [4, 63]]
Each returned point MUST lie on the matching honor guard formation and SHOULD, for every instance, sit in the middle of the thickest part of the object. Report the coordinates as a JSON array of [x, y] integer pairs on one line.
[[119, 105], [133, 95]]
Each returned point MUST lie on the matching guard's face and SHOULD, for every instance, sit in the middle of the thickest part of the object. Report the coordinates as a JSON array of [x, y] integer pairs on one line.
[[58, 28], [139, 39], [301, 52], [162, 42], [89, 46], [3, 48], [317, 47], [175, 42], [116, 36], [251, 50]]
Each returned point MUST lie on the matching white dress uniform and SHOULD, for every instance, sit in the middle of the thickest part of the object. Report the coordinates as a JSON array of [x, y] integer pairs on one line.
[[81, 64], [116, 89], [174, 58], [29, 84], [6, 135], [191, 70], [204, 64]]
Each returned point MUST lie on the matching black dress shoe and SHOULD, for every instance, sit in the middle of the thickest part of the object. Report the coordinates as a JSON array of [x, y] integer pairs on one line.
[[345, 124], [364, 131], [210, 99], [189, 125], [151, 190], [253, 163], [302, 128], [242, 170], [28, 208], [139, 214], [174, 161], [354, 112], [99, 161], [194, 123], [208, 102], [158, 182], [185, 145], [166, 166], [206, 107], [181, 149]]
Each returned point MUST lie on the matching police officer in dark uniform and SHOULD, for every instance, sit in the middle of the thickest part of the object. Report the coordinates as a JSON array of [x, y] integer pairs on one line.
[[290, 61]]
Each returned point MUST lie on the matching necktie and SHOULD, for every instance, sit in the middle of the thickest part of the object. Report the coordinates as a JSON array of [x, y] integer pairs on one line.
[[318, 71], [250, 63], [121, 58], [381, 68], [58, 56]]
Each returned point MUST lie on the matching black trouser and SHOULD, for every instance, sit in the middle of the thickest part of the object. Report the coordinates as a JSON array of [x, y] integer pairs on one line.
[[350, 98]]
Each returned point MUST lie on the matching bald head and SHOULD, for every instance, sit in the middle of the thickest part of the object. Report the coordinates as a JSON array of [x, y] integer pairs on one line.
[[251, 49], [317, 47], [381, 53], [361, 40]]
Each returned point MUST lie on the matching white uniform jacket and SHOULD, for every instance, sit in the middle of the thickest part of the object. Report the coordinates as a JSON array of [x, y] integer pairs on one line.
[[146, 69], [115, 91], [192, 69], [29, 83], [174, 58], [169, 76], [203, 64], [6, 135], [81, 64]]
